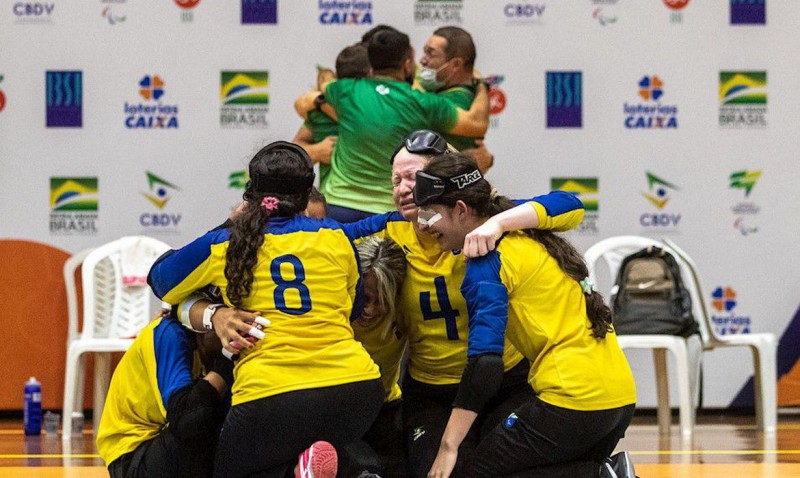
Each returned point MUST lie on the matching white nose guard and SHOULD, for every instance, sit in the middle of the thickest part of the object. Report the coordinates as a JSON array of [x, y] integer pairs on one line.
[[428, 218]]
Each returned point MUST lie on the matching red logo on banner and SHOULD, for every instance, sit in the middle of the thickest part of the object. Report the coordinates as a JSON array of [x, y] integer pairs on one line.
[[676, 4], [187, 4], [497, 100]]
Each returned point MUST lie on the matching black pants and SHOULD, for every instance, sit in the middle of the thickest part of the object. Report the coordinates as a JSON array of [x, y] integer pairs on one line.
[[382, 450], [264, 437], [167, 456], [427, 408], [546, 440]]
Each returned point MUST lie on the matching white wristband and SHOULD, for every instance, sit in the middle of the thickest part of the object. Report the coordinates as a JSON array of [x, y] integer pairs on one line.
[[208, 313]]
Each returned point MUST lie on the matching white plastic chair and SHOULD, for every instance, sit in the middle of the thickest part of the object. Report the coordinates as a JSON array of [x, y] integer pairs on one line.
[[763, 346], [687, 352], [113, 315], [70, 266]]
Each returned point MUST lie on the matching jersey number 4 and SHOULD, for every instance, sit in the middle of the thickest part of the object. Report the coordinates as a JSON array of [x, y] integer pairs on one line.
[[446, 311], [283, 285]]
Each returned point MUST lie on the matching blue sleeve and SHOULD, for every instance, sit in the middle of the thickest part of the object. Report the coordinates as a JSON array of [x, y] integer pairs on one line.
[[173, 351], [174, 266], [371, 225], [487, 304], [358, 301]]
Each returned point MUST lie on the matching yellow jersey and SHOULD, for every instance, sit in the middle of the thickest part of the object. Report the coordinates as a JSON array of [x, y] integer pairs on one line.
[[157, 364], [305, 283], [518, 292], [431, 310], [385, 343]]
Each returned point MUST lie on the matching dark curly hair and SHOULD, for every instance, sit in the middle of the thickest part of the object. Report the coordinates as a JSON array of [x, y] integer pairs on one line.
[[247, 232], [480, 198]]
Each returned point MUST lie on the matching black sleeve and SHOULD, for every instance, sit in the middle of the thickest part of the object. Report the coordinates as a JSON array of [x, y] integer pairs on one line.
[[194, 410], [480, 382]]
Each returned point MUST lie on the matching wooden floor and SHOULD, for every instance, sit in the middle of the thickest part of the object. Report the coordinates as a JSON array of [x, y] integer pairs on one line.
[[722, 447]]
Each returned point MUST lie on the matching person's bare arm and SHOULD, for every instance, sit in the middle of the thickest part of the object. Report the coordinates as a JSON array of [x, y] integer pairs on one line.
[[318, 152], [474, 122], [481, 155]]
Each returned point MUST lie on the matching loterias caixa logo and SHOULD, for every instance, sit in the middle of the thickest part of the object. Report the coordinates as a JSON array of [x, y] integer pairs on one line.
[[651, 112], [151, 112], [73, 205], [244, 99], [351, 12]]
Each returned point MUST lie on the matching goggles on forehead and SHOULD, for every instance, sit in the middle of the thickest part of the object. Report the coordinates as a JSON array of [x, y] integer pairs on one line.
[[422, 141], [428, 217], [429, 187]]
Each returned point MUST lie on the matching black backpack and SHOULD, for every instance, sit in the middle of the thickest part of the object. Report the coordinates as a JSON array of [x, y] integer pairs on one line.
[[649, 296]]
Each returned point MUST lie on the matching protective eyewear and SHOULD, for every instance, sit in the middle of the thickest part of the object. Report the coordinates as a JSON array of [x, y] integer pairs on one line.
[[429, 187], [423, 141]]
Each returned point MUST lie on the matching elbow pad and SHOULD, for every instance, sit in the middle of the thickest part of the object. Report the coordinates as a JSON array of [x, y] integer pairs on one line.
[[480, 382]]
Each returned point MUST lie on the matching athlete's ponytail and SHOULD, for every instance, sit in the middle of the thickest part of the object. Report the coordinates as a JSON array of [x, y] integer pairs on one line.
[[280, 181]]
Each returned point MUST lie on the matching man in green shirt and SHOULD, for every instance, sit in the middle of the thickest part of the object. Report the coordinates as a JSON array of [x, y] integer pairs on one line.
[[374, 116], [446, 68], [319, 132]]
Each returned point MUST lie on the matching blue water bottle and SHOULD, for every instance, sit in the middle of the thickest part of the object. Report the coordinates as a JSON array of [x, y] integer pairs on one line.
[[33, 407]]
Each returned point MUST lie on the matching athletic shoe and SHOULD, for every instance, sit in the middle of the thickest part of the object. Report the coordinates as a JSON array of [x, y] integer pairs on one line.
[[618, 466], [318, 461]]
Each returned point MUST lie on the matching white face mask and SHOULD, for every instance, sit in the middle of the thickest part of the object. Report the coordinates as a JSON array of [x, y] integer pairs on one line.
[[427, 78]]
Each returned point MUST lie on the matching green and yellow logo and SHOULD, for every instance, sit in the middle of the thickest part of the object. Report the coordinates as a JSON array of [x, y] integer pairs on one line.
[[743, 87], [585, 188], [744, 180], [160, 190], [238, 179], [659, 190], [244, 88], [73, 194]]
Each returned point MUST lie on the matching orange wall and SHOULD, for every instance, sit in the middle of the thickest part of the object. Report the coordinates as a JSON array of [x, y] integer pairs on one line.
[[34, 323]]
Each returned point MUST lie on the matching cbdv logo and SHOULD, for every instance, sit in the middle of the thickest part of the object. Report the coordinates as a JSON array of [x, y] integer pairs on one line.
[[601, 12], [73, 206], [31, 13], [745, 211], [676, 9], [151, 113], [588, 192], [64, 97], [111, 13], [651, 113], [748, 12], [255, 12], [497, 99], [187, 9], [564, 99], [726, 322], [524, 13], [659, 194], [438, 12], [743, 99], [244, 99], [337, 12], [159, 194]]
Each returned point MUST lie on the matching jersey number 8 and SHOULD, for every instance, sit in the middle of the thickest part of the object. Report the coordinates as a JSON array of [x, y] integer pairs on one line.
[[283, 285]]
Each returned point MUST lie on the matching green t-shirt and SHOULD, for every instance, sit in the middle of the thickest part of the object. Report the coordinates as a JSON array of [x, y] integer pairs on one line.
[[321, 126], [375, 114], [461, 96]]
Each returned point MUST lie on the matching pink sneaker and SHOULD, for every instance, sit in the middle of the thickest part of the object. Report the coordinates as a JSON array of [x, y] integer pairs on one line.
[[317, 461]]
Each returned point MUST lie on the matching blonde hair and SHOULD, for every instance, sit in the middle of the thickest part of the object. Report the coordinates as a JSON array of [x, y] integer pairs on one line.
[[384, 258]]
